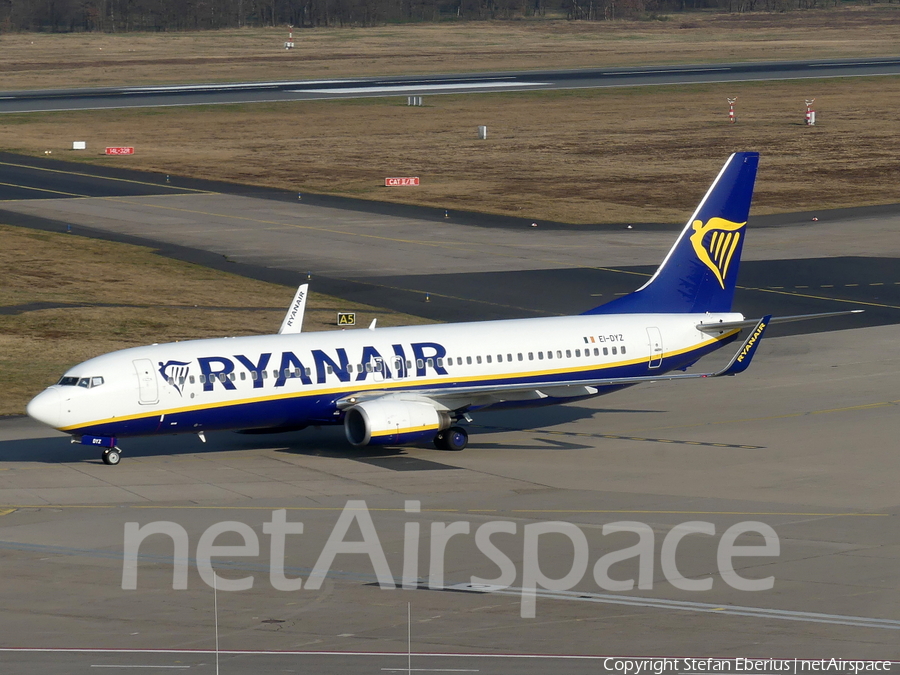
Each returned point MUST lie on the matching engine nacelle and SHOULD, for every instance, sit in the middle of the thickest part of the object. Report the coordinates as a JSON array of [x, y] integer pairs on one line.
[[392, 422]]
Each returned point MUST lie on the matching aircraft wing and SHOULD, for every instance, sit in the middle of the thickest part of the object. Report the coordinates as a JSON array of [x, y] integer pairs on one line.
[[731, 325], [293, 320], [454, 398]]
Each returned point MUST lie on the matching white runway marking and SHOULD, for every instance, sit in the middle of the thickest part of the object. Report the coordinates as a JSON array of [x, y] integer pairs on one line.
[[420, 88], [429, 670]]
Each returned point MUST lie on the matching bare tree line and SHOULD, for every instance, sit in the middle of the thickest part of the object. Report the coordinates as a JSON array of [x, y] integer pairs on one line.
[[173, 15]]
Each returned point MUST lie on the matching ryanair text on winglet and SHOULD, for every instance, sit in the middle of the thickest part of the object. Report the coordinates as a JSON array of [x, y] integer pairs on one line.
[[751, 341]]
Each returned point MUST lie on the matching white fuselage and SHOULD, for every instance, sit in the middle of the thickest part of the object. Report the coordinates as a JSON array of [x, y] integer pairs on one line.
[[288, 381]]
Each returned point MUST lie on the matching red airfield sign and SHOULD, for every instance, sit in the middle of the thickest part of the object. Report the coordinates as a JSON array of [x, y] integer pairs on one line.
[[120, 151], [401, 182]]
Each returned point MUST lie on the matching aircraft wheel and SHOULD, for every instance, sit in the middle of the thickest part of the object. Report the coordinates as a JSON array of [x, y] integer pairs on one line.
[[456, 438], [111, 456], [440, 440]]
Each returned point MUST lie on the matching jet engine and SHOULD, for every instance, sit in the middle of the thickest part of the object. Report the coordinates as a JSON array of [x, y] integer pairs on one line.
[[392, 422]]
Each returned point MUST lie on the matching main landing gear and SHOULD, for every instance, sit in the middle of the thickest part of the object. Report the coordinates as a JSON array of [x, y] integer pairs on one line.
[[454, 438], [112, 456]]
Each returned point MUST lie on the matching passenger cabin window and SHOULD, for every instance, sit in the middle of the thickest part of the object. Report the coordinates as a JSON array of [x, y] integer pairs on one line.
[[605, 352], [520, 356], [468, 360], [614, 351], [478, 359], [488, 357], [329, 370], [577, 352], [509, 357], [191, 379], [429, 363], [459, 360], [623, 349], [440, 363], [202, 379], [243, 375], [541, 356], [420, 364], [531, 356], [597, 351], [568, 353]]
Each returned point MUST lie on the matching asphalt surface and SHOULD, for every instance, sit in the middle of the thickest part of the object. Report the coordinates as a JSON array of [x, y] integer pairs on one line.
[[329, 239], [256, 92], [803, 442]]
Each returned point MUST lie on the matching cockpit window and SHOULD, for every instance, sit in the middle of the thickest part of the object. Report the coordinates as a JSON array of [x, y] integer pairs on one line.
[[86, 382]]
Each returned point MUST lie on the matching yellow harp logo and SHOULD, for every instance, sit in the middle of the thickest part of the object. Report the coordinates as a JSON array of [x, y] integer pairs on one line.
[[715, 244]]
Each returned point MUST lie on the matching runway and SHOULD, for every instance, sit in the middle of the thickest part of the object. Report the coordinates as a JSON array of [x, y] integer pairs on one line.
[[803, 442], [300, 90]]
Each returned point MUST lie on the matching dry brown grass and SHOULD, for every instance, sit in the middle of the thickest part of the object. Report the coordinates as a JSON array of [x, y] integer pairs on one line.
[[640, 155], [163, 300], [47, 60]]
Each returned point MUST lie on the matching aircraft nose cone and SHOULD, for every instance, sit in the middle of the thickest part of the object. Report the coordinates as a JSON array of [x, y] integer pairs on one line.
[[46, 407]]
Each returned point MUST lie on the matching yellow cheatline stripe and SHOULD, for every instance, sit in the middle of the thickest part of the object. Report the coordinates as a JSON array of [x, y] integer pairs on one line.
[[91, 175], [820, 297], [406, 430], [219, 507], [403, 383], [703, 513], [864, 406], [27, 187]]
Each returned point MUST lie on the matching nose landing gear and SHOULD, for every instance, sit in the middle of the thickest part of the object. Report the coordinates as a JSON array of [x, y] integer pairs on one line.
[[111, 453], [112, 456]]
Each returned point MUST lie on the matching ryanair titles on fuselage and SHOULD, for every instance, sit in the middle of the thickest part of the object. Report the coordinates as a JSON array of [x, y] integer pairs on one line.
[[319, 364]]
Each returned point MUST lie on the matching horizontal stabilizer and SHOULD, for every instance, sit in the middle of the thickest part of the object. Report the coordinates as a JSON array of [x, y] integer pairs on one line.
[[731, 325]]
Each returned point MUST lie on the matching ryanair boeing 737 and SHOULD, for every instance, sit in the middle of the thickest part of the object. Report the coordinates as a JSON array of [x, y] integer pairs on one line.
[[393, 386]]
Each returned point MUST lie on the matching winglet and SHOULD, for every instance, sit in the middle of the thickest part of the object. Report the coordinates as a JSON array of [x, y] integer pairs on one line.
[[741, 361], [293, 320]]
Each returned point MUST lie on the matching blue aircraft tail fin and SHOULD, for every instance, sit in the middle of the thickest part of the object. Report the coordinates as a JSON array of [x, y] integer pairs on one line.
[[699, 273]]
